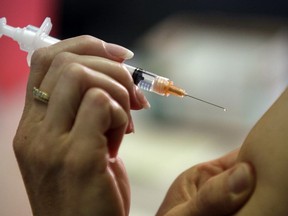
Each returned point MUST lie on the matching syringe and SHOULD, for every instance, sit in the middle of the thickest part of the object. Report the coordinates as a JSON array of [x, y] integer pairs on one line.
[[31, 38], [160, 85]]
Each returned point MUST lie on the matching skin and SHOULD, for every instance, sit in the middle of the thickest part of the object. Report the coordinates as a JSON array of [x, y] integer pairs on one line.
[[266, 148], [67, 149], [210, 188], [63, 149]]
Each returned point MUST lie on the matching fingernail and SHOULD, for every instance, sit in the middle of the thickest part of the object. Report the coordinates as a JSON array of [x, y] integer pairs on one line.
[[112, 160], [130, 127], [239, 179], [142, 99], [118, 51]]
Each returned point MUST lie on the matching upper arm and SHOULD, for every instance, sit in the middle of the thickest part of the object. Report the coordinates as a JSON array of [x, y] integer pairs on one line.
[[266, 148]]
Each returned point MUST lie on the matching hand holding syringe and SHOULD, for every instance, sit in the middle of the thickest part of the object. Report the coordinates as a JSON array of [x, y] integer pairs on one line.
[[31, 38]]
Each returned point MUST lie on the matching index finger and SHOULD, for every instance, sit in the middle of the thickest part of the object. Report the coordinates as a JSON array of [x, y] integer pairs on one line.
[[82, 45]]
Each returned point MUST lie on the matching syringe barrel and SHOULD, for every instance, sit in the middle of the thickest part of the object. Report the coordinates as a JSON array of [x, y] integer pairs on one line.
[[149, 81]]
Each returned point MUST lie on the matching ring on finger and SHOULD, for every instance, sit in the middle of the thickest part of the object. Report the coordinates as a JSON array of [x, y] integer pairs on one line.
[[40, 95]]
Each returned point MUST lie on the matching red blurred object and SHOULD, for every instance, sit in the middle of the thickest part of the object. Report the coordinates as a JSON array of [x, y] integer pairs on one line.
[[13, 68]]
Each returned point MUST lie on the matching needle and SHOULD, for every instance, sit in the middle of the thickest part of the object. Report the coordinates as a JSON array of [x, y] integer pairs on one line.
[[224, 109]]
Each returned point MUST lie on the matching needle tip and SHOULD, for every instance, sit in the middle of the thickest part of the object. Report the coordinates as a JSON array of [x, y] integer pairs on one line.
[[215, 105]]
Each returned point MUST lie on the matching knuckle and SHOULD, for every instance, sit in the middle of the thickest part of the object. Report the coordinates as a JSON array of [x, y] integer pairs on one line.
[[86, 38], [18, 145], [96, 95], [73, 72], [39, 57], [88, 41], [61, 58], [206, 171], [22, 140]]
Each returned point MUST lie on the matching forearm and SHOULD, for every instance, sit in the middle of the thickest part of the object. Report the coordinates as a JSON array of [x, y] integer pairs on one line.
[[266, 149]]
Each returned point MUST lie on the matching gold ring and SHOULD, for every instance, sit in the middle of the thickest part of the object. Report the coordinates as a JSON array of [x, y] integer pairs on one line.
[[40, 95]]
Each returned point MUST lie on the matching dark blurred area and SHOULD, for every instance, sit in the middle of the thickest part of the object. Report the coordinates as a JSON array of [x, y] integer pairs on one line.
[[124, 21]]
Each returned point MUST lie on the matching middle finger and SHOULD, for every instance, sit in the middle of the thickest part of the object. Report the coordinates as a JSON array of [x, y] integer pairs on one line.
[[114, 70]]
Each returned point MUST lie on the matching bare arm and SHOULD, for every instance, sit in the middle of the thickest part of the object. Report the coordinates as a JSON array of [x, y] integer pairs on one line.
[[266, 148]]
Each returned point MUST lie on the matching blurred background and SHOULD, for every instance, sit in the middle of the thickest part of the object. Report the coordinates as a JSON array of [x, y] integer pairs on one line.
[[232, 53]]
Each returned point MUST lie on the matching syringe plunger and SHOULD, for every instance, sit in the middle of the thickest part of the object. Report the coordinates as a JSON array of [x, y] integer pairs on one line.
[[30, 37]]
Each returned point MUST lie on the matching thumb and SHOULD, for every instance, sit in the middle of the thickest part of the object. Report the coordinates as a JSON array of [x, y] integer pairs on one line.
[[227, 192]]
